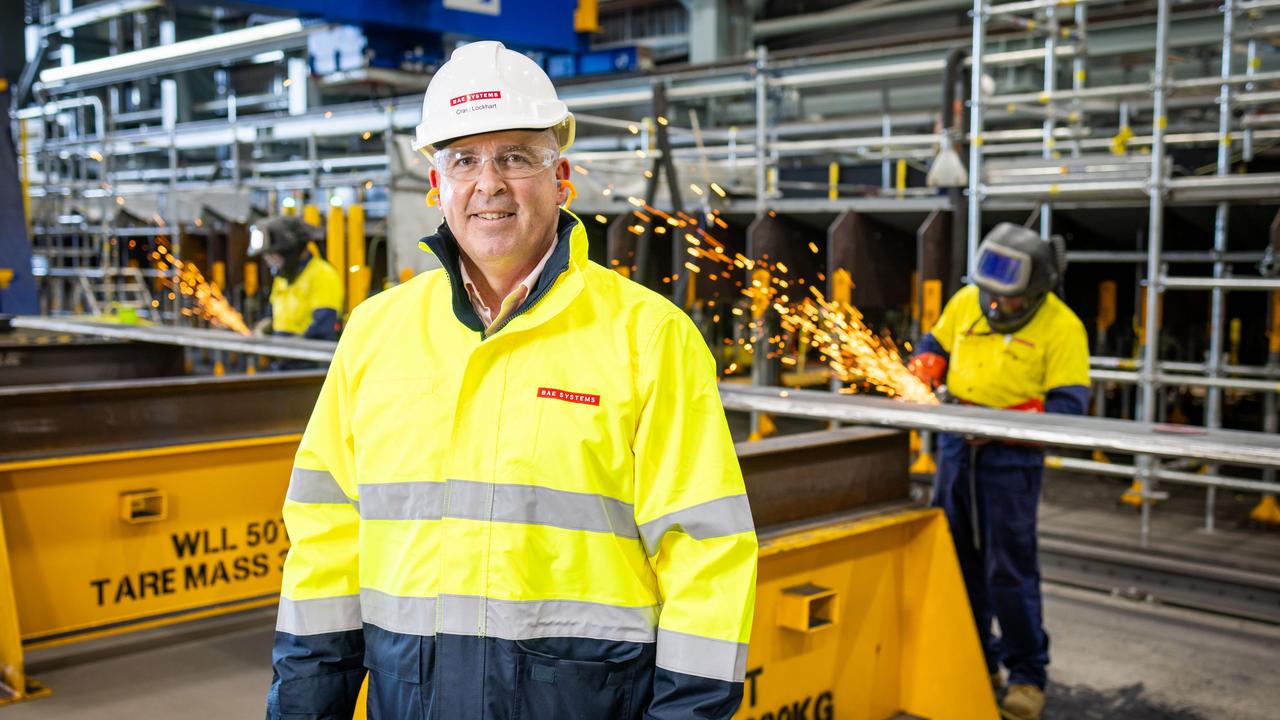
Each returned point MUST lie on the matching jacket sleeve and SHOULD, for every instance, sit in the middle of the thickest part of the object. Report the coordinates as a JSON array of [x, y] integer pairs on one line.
[[324, 324], [317, 659], [695, 523], [1066, 375]]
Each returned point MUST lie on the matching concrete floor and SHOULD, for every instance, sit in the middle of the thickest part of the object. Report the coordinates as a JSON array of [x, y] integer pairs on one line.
[[211, 669], [1112, 658]]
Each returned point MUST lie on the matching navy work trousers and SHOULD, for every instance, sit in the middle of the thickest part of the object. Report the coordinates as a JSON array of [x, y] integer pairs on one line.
[[1000, 561]]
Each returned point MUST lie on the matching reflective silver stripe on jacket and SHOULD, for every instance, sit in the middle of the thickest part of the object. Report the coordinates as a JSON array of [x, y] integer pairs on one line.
[[508, 619], [315, 486], [511, 503], [703, 657], [715, 518], [318, 616]]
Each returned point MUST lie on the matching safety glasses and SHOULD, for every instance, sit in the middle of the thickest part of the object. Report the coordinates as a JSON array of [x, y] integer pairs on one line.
[[511, 162]]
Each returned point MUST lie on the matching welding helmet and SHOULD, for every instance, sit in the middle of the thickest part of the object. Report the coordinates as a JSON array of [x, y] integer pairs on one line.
[[1015, 271], [286, 236], [483, 88]]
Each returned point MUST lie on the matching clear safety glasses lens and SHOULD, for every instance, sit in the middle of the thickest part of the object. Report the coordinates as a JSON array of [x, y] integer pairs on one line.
[[511, 162]]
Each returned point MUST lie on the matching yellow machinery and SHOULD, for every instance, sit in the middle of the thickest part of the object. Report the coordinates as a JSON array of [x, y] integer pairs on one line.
[[118, 512], [133, 504], [106, 542], [861, 612], [863, 619]]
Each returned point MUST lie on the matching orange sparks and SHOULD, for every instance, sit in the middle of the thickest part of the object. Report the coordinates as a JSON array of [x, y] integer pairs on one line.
[[208, 301], [856, 354]]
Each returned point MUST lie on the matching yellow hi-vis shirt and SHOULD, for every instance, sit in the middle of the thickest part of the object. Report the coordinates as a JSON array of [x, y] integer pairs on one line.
[[571, 475], [316, 287], [1009, 370]]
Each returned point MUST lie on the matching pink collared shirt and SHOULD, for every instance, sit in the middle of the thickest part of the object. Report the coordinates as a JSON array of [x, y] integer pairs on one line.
[[512, 300]]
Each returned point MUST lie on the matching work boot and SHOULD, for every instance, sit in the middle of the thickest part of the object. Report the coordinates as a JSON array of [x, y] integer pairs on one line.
[[1022, 702]]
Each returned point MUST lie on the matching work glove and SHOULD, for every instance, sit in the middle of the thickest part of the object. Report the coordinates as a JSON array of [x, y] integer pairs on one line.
[[930, 368]]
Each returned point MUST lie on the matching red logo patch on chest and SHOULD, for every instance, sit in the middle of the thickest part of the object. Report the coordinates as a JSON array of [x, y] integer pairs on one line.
[[573, 397]]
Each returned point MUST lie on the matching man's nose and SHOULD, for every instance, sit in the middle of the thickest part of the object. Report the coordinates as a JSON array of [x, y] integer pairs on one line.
[[490, 182]]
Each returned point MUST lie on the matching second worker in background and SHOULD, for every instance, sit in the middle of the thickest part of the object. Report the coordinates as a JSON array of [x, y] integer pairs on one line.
[[1006, 341], [306, 291]]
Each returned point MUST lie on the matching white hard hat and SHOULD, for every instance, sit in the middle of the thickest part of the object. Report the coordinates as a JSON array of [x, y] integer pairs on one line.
[[486, 88]]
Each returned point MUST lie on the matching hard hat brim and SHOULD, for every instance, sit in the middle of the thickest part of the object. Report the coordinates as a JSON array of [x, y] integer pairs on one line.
[[426, 143]]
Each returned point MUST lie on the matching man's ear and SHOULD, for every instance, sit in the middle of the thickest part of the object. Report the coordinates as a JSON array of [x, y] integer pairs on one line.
[[562, 185]]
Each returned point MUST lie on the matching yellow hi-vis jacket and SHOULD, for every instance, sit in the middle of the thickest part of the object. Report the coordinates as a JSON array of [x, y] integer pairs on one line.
[[548, 522], [294, 304]]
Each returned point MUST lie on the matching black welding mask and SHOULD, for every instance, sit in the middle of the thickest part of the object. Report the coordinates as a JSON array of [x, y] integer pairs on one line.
[[1015, 271], [285, 236]]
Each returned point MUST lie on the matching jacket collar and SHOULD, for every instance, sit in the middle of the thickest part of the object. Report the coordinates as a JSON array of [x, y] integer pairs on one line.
[[570, 253]]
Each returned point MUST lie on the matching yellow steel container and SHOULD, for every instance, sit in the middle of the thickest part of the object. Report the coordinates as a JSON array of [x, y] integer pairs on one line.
[[104, 543], [862, 620], [865, 619]]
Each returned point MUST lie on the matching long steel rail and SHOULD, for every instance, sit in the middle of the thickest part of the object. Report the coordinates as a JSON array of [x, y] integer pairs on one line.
[[1229, 447], [1122, 436], [213, 339]]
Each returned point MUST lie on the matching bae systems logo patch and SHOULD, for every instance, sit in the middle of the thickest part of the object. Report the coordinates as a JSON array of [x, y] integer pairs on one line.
[[573, 397], [472, 97]]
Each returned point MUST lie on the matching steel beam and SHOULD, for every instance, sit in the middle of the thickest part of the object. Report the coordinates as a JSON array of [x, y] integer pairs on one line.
[[292, 348], [46, 421], [1121, 436], [1230, 447], [178, 56], [38, 358], [800, 477], [1153, 578]]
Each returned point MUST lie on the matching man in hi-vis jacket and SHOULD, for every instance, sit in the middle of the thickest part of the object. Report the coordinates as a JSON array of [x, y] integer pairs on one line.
[[517, 497]]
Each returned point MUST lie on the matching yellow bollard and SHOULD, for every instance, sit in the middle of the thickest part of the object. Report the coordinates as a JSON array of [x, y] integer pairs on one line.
[[842, 286], [250, 278], [1233, 355], [335, 242], [1133, 496], [932, 299], [586, 17], [1266, 512], [1106, 305], [220, 274], [359, 275]]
